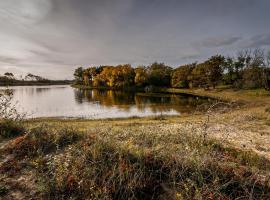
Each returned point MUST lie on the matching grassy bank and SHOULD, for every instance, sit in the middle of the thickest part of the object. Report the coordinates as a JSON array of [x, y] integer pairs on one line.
[[223, 154]]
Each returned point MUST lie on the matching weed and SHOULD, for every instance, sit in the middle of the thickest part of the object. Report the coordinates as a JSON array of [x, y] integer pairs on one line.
[[3, 190]]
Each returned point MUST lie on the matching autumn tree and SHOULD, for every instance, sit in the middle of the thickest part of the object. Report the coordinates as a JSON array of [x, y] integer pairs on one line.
[[122, 76], [90, 74], [141, 76], [104, 78], [181, 76]]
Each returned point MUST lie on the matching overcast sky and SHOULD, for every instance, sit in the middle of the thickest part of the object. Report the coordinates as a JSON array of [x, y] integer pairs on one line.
[[51, 37]]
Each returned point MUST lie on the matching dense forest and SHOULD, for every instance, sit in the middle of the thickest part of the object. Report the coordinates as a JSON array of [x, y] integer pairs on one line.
[[248, 69]]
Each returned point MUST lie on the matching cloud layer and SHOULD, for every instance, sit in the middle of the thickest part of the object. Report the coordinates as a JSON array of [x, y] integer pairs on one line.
[[52, 37]]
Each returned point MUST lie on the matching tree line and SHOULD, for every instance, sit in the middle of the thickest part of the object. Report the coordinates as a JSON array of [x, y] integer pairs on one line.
[[8, 79], [248, 69]]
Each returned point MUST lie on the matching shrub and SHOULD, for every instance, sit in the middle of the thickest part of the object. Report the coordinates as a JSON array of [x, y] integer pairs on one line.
[[3, 190], [10, 119], [10, 128], [42, 140]]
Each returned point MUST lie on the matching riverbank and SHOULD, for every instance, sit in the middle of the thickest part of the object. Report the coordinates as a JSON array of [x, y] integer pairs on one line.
[[223, 154]]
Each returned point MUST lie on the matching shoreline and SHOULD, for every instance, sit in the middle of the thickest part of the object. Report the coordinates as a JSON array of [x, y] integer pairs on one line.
[[245, 96], [34, 83]]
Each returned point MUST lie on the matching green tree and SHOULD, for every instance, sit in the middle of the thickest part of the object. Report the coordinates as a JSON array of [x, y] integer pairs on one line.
[[229, 76], [159, 74], [214, 67], [181, 76], [253, 73], [78, 75], [199, 76]]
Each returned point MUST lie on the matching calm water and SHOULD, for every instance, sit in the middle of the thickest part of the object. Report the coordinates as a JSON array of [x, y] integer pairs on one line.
[[65, 101]]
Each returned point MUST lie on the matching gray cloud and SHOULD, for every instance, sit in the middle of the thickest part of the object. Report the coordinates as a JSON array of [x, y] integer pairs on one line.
[[8, 60], [259, 41], [52, 37], [219, 41]]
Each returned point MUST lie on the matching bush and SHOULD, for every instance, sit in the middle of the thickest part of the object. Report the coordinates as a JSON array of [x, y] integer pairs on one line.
[[3, 190], [10, 119], [42, 140], [10, 128]]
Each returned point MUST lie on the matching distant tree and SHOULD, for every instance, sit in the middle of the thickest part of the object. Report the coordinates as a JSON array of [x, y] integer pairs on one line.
[[249, 69], [33, 77], [252, 75], [229, 76], [141, 76], [199, 76], [78, 75], [208, 73], [9, 75], [159, 74], [89, 75], [122, 76], [266, 72], [214, 69], [181, 76]]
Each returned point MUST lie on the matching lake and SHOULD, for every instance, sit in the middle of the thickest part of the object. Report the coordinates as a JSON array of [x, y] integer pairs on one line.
[[67, 102]]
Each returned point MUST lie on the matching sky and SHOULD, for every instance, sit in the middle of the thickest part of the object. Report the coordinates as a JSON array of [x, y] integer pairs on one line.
[[51, 38]]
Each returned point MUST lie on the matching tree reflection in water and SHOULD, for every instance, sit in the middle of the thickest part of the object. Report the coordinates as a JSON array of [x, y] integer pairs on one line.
[[156, 102]]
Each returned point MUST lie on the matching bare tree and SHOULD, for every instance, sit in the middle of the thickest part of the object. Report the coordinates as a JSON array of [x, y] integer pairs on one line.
[[266, 71]]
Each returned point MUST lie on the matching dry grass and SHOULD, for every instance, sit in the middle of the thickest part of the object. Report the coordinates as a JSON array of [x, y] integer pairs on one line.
[[136, 161]]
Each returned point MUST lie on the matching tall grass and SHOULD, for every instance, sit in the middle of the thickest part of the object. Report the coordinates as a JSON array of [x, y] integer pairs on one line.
[[97, 166]]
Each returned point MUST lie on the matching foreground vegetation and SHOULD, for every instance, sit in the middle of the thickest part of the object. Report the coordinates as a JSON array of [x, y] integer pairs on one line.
[[74, 165], [222, 155]]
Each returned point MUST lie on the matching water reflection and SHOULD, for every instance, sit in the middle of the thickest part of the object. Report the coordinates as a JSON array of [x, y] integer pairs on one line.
[[156, 102], [65, 101]]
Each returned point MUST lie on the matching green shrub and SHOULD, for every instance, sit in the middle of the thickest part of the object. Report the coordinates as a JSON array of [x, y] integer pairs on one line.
[[10, 128], [3, 190]]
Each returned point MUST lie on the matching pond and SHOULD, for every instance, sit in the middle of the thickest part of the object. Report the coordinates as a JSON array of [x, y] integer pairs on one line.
[[67, 102]]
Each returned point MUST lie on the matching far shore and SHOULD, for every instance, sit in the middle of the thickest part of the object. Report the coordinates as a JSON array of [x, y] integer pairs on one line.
[[35, 83]]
